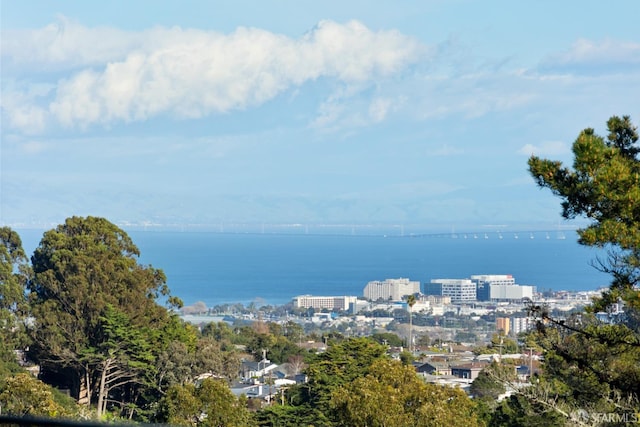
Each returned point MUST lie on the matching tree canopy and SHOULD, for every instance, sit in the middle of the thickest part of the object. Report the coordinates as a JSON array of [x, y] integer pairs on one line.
[[14, 273], [208, 403], [592, 363], [23, 395], [392, 395], [356, 383], [94, 306], [603, 185]]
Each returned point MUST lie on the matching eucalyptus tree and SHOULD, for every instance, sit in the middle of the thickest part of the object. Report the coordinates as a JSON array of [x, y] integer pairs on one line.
[[14, 273], [93, 307]]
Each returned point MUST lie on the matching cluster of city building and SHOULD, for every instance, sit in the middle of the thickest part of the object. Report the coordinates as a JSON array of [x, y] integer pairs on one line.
[[437, 292]]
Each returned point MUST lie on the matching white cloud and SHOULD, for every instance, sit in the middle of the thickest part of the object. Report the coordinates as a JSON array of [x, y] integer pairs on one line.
[[21, 110], [340, 111], [548, 148], [193, 73], [590, 55], [66, 44]]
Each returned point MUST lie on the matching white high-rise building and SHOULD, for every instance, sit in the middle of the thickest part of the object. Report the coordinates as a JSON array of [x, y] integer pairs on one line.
[[460, 290], [390, 289]]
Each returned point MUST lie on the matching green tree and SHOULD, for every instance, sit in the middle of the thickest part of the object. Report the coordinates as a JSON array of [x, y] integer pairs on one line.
[[498, 344], [406, 358], [211, 358], [14, 273], [392, 395], [81, 269], [387, 338], [24, 395], [293, 331], [180, 406], [518, 411], [271, 337], [594, 365], [124, 355], [502, 344], [220, 331], [491, 382], [175, 360], [603, 186], [342, 363], [291, 416], [209, 403], [355, 383]]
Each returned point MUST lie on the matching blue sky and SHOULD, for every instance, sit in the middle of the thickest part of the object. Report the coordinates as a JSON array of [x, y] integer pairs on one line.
[[306, 112]]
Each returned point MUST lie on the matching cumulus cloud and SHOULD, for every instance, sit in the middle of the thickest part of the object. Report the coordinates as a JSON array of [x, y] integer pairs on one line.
[[548, 148], [120, 76]]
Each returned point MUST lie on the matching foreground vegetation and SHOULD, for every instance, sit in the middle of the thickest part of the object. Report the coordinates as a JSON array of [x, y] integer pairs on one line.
[[87, 314]]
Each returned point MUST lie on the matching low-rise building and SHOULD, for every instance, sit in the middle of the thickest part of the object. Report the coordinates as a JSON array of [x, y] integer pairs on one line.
[[437, 299], [434, 368], [500, 287], [468, 370], [341, 303]]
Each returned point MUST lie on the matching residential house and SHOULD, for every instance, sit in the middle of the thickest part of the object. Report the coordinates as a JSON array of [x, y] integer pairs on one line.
[[468, 370], [433, 367]]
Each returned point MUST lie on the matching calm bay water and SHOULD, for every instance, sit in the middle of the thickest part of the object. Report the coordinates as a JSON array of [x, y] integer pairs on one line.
[[221, 268]]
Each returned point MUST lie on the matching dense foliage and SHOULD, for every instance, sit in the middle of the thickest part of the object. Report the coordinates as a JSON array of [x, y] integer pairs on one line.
[[391, 394], [592, 359], [209, 403], [94, 311], [14, 273]]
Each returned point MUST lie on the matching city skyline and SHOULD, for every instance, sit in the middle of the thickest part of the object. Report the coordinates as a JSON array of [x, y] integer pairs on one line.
[[253, 112]]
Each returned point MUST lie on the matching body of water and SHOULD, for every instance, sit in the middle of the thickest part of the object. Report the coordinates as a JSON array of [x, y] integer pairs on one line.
[[221, 268]]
